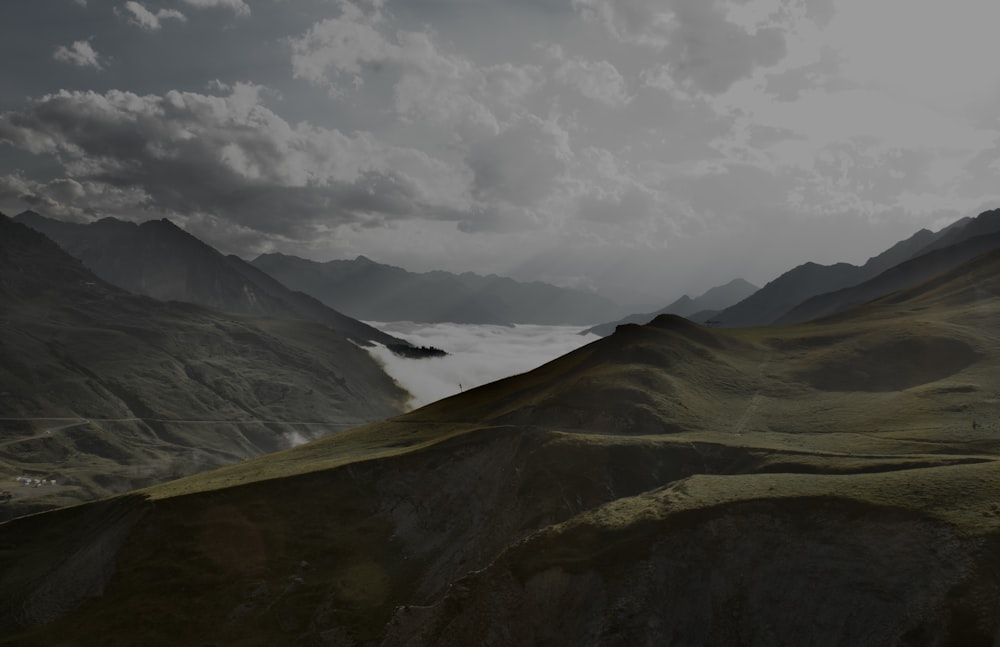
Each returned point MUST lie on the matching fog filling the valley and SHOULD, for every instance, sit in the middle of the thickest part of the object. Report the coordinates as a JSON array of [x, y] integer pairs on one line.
[[477, 354]]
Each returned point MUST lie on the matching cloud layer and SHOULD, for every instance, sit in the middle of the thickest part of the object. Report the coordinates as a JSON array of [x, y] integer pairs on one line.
[[630, 146], [477, 355]]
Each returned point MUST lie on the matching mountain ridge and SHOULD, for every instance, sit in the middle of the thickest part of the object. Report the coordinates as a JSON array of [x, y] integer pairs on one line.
[[699, 308], [159, 259], [808, 280], [378, 292]]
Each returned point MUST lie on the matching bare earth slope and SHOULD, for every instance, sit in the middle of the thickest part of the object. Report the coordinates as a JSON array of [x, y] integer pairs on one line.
[[824, 484]]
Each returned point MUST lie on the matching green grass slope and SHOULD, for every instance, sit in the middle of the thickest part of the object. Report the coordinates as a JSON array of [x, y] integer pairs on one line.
[[827, 483]]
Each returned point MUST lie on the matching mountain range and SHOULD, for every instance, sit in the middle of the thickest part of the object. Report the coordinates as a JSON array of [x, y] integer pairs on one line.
[[699, 309], [376, 292], [159, 259], [825, 483], [112, 391], [776, 299]]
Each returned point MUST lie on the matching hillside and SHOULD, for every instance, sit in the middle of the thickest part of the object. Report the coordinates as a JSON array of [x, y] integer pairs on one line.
[[376, 292], [908, 273], [697, 309], [771, 303], [828, 483], [105, 391], [160, 260]]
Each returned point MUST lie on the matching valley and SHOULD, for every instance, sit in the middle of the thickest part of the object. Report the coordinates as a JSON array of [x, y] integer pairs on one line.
[[666, 481], [582, 323]]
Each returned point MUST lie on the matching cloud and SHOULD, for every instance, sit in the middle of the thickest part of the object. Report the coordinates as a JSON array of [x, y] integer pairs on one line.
[[430, 86], [477, 355], [519, 165], [146, 19], [238, 6], [80, 53], [699, 42], [228, 157], [597, 80]]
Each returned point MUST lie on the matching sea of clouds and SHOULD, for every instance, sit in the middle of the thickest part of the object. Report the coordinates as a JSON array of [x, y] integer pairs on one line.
[[477, 354]]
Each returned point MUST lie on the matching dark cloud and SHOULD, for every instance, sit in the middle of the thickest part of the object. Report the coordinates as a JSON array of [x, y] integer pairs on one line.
[[226, 156]]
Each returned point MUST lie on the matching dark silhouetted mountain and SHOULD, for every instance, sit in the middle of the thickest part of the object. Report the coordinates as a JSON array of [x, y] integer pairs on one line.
[[985, 223], [908, 273], [160, 260], [700, 309], [829, 483], [159, 388], [785, 292], [774, 300], [376, 292]]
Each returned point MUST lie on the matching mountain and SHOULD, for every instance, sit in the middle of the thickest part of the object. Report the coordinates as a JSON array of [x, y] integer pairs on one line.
[[160, 260], [107, 391], [911, 272], [985, 223], [830, 483], [699, 309], [774, 300], [376, 292]]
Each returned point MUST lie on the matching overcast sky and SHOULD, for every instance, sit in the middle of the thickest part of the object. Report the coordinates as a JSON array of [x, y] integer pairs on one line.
[[644, 148]]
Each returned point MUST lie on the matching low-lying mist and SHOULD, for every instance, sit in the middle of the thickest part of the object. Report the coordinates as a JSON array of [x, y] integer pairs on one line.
[[477, 354]]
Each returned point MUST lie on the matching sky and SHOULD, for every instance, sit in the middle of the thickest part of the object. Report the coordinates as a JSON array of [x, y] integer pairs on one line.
[[639, 148]]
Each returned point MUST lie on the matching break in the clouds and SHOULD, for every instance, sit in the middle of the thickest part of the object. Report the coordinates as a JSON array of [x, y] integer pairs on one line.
[[477, 355], [642, 148]]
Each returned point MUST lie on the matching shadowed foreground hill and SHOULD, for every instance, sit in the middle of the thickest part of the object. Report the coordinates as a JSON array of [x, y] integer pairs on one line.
[[823, 484], [105, 391]]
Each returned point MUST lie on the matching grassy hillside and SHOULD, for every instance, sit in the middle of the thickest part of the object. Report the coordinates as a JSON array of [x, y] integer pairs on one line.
[[827, 483], [104, 391]]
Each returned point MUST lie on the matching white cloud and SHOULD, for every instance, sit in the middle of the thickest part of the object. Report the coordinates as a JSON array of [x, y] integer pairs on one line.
[[238, 6], [233, 157], [477, 355], [430, 86], [143, 17], [597, 80], [80, 53]]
